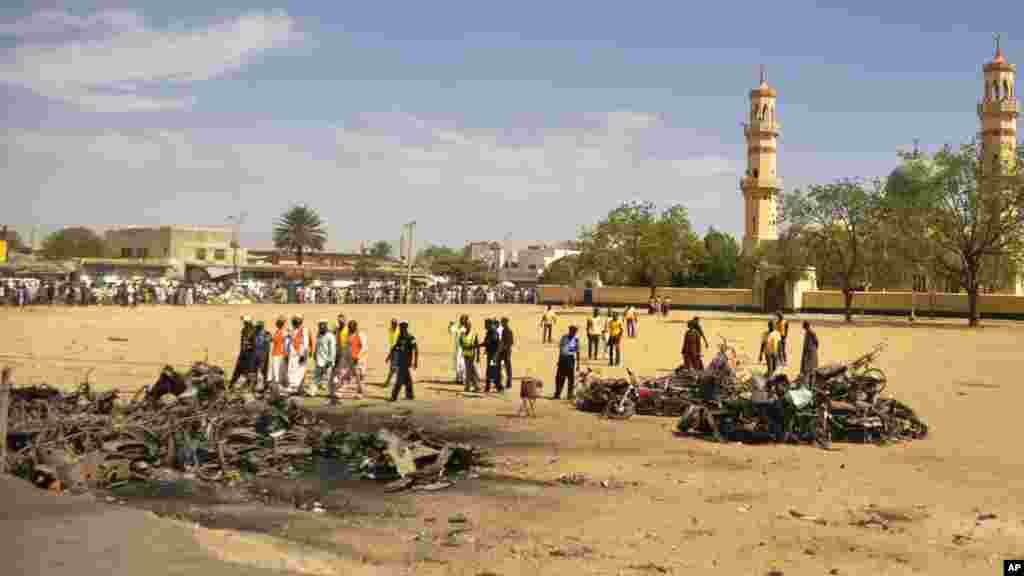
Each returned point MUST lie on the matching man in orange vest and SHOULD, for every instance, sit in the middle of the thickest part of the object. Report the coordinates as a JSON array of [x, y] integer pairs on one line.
[[276, 374]]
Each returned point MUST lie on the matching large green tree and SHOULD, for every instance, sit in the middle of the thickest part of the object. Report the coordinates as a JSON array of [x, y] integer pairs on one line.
[[637, 245], [969, 224], [381, 249], [459, 268], [838, 223], [434, 252], [566, 270], [299, 230], [14, 243], [74, 242], [717, 266]]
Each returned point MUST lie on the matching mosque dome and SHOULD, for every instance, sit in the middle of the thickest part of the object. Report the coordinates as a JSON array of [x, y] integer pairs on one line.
[[900, 181]]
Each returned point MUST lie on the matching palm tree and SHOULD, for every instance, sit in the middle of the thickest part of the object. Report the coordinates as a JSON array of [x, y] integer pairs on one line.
[[298, 230]]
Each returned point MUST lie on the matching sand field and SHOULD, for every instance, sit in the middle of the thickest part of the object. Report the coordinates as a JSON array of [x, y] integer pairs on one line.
[[675, 505]]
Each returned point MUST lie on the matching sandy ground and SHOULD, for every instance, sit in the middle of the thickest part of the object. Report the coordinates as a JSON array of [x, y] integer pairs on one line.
[[688, 506]]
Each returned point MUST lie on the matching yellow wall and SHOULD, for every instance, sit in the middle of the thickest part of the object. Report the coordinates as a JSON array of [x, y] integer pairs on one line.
[[923, 302], [639, 296], [708, 297]]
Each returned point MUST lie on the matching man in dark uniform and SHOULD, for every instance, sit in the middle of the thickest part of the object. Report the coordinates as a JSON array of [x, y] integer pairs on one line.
[[505, 352], [407, 358], [568, 358], [246, 350]]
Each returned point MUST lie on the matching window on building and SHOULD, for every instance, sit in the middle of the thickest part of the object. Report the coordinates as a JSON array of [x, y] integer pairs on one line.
[[220, 254], [142, 252], [200, 253], [126, 252], [532, 266]]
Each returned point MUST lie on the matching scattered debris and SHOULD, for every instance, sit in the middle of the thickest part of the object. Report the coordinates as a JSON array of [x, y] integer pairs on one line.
[[839, 402], [650, 567], [573, 479], [193, 422]]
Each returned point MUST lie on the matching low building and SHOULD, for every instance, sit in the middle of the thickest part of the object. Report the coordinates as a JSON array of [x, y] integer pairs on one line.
[[491, 253], [529, 263]]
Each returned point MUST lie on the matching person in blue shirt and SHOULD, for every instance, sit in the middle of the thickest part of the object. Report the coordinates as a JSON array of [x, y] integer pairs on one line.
[[568, 358]]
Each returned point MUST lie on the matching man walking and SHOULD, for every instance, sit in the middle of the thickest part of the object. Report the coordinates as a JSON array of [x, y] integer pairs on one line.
[[547, 323], [508, 340], [691, 348], [631, 318], [770, 348], [246, 349], [326, 352], [406, 357], [261, 347], [276, 374], [782, 327], [392, 338], [614, 341], [568, 358], [809, 358], [594, 330], [491, 344], [470, 345]]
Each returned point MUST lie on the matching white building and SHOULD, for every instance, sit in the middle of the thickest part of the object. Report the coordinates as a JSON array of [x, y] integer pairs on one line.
[[527, 264], [491, 253]]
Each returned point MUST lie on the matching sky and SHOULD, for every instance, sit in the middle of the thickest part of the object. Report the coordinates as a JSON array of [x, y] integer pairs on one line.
[[516, 121]]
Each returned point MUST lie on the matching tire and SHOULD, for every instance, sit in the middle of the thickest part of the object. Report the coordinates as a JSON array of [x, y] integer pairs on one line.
[[628, 410]]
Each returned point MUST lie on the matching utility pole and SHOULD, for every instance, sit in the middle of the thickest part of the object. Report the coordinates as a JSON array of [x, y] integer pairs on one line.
[[410, 256], [237, 221]]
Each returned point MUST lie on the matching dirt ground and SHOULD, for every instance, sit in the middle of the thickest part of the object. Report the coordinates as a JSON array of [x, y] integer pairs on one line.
[[673, 505]]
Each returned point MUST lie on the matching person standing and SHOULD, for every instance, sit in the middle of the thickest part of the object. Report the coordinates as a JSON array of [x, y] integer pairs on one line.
[[491, 344], [782, 327], [408, 357], [246, 348], [392, 338], [260, 349], [594, 330], [568, 358], [809, 357], [547, 323], [631, 318], [666, 307], [344, 360], [359, 352], [770, 348], [455, 330], [614, 340], [470, 345], [326, 352], [692, 348], [298, 354], [276, 374], [508, 340]]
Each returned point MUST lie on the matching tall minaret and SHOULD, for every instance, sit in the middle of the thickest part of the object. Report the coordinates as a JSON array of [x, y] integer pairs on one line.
[[998, 113], [760, 184]]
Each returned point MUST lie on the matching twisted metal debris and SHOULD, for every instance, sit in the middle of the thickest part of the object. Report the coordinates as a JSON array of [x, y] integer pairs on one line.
[[194, 423], [838, 402]]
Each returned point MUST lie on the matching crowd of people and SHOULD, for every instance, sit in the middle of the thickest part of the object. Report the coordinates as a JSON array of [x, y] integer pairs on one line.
[[35, 291]]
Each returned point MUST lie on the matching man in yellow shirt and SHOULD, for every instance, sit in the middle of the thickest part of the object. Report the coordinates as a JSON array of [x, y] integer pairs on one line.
[[393, 332], [614, 340], [631, 318], [547, 324], [770, 348], [782, 327], [595, 327]]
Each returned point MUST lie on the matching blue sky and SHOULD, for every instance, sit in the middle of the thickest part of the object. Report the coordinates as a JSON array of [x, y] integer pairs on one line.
[[480, 120]]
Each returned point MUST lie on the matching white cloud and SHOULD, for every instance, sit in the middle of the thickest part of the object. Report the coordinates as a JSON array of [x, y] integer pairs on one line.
[[118, 58], [459, 183]]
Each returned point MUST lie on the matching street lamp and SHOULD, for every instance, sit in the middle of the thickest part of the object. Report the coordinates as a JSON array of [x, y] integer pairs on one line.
[[237, 220]]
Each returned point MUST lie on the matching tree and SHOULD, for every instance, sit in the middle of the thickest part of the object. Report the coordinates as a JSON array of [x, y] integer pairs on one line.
[[381, 249], [298, 230], [716, 265], [788, 255], [837, 222], [459, 268], [566, 270], [434, 252], [636, 245], [74, 242], [970, 222]]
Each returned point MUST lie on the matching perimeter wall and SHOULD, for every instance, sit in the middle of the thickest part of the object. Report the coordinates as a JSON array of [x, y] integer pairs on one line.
[[813, 301]]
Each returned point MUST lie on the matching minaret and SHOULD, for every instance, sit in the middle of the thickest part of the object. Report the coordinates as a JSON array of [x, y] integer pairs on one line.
[[760, 184], [998, 113]]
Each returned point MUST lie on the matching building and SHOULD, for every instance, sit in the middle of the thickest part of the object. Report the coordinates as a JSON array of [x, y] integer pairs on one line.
[[530, 262], [193, 252], [761, 184], [491, 253]]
